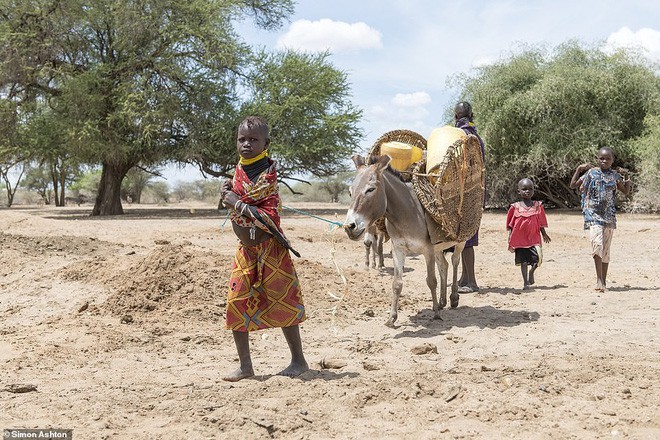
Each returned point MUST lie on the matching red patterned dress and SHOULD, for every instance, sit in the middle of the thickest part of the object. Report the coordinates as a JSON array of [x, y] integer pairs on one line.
[[264, 291]]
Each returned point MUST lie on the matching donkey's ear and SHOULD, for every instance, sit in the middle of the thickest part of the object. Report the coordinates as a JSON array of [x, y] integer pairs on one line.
[[358, 160], [382, 162]]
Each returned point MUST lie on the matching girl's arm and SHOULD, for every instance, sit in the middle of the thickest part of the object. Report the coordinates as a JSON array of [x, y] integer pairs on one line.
[[546, 237]]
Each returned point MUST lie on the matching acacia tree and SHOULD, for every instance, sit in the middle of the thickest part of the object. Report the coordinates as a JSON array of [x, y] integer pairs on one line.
[[336, 185], [44, 141], [542, 114], [125, 77], [134, 184], [306, 101], [38, 179]]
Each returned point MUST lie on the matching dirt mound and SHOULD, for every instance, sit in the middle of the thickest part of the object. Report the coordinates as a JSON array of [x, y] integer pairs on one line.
[[172, 279], [187, 281], [37, 246]]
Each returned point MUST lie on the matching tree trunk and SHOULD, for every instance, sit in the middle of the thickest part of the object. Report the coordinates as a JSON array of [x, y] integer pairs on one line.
[[62, 176], [108, 200], [10, 194], [138, 194], [11, 191], [56, 189]]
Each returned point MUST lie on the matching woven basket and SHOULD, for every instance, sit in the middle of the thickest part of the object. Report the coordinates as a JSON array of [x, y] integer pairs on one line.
[[453, 193]]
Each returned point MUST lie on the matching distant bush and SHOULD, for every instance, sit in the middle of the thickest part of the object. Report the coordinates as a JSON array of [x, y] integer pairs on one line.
[[334, 189], [203, 190], [647, 181]]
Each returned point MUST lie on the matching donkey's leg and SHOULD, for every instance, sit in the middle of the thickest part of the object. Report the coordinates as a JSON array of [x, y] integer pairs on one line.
[[443, 267], [399, 256], [381, 258], [374, 252], [432, 281], [455, 260], [368, 246]]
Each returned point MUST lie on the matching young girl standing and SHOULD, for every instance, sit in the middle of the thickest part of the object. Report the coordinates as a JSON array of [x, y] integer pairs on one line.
[[526, 223], [264, 291]]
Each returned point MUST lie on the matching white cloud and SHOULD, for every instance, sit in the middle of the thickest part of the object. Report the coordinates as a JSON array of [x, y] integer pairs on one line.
[[645, 38], [326, 34], [483, 61], [397, 117], [415, 99]]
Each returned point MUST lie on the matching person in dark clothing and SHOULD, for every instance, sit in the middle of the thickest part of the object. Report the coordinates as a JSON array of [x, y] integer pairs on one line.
[[464, 119]]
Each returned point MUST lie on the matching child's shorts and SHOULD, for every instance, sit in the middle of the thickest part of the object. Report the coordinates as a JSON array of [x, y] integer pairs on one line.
[[530, 255], [601, 239]]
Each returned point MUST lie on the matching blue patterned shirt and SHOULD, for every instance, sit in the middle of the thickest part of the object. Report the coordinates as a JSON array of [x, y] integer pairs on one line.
[[598, 189]]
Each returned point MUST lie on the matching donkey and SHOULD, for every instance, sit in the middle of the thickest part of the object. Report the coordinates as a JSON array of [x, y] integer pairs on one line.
[[378, 191], [373, 245]]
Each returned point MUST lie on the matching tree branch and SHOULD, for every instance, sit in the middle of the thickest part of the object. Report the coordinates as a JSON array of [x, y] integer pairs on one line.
[[290, 188], [153, 173]]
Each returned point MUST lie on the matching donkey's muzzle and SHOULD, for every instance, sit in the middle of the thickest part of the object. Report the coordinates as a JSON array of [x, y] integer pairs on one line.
[[353, 230]]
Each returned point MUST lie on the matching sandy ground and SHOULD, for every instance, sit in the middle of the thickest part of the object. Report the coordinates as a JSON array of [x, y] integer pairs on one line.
[[113, 327]]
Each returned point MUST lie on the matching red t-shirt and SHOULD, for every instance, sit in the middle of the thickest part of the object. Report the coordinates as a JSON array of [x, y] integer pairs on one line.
[[525, 223]]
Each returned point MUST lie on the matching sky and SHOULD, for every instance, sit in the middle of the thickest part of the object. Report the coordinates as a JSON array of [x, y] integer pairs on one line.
[[400, 56]]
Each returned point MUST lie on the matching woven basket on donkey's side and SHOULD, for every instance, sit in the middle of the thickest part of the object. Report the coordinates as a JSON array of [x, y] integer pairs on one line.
[[453, 192]]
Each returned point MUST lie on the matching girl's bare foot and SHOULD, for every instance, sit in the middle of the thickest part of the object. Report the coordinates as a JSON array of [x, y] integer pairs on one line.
[[294, 369], [239, 374]]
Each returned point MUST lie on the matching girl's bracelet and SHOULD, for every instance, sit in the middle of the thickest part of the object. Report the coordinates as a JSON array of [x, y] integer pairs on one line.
[[240, 207]]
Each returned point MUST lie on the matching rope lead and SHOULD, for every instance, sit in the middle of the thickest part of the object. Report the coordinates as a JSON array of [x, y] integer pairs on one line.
[[314, 216]]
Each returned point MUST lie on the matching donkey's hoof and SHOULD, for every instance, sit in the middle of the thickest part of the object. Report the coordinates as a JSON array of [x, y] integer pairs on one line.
[[454, 302], [390, 322]]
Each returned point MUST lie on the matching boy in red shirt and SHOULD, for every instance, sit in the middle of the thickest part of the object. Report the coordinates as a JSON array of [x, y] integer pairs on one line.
[[526, 223]]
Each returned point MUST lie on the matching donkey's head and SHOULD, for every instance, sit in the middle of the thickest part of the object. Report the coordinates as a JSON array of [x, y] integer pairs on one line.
[[368, 198]]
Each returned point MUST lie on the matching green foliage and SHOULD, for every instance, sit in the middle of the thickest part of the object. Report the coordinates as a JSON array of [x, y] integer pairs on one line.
[[39, 180], [200, 190], [543, 114], [123, 84], [314, 126], [647, 150], [87, 184], [337, 185], [318, 191], [157, 192], [126, 83], [134, 183]]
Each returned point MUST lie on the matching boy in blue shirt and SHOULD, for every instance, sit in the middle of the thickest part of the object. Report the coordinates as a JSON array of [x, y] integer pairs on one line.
[[598, 186]]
